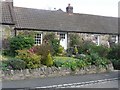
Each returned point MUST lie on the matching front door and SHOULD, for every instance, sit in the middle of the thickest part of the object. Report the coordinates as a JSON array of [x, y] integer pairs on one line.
[[63, 40]]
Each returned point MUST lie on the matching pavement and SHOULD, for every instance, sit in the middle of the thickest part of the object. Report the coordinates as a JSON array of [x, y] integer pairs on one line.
[[61, 80]]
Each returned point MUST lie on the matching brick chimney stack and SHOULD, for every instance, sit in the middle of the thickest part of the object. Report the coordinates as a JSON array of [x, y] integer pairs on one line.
[[69, 9]]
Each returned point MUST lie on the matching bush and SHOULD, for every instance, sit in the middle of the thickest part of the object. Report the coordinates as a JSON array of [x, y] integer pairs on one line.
[[98, 61], [81, 63], [114, 56], [6, 52], [114, 52], [75, 50], [20, 42], [75, 39], [32, 60], [116, 63], [85, 47], [3, 66], [49, 60], [69, 62], [54, 43], [13, 64], [101, 50], [43, 50]]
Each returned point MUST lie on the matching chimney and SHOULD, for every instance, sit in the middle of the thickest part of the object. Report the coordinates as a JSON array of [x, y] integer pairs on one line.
[[10, 2], [69, 9]]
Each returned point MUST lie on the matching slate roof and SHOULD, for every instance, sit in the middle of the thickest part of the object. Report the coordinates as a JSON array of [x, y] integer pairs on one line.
[[7, 13], [46, 20]]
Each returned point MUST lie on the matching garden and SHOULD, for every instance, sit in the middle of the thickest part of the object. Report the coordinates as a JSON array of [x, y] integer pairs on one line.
[[23, 54]]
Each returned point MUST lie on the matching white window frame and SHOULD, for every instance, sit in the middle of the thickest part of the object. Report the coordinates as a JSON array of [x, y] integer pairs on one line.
[[115, 37], [62, 35], [96, 39], [38, 38]]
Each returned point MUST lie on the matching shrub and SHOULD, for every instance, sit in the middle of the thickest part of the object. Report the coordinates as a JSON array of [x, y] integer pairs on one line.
[[81, 63], [75, 39], [67, 62], [75, 50], [20, 42], [114, 52], [54, 43], [98, 61], [101, 50], [3, 66], [116, 63], [49, 37], [32, 60], [6, 52], [43, 50], [58, 63], [85, 47], [13, 64], [70, 64], [49, 60]]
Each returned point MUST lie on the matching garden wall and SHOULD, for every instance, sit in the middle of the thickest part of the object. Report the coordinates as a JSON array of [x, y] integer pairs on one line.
[[51, 72]]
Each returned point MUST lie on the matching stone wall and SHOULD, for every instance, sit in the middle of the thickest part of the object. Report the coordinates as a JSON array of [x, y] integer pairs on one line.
[[5, 33], [50, 72]]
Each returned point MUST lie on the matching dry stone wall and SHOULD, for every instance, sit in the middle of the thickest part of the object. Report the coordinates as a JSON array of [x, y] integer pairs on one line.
[[51, 72]]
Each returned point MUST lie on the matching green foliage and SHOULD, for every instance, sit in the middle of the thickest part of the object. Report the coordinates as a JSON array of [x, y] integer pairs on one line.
[[114, 56], [75, 50], [114, 52], [49, 60], [49, 37], [101, 50], [97, 60], [81, 63], [20, 42], [3, 66], [60, 49], [116, 63], [13, 64], [43, 50], [32, 60], [69, 62], [54, 43], [75, 39], [84, 48]]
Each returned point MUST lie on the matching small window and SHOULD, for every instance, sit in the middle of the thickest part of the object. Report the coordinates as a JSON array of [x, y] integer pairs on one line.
[[114, 38], [62, 36], [37, 39]]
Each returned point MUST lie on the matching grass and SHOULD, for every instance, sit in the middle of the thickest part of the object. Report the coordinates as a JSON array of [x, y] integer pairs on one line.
[[64, 58]]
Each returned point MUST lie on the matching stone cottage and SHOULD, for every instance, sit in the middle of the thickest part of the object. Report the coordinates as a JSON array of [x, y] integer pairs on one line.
[[94, 27]]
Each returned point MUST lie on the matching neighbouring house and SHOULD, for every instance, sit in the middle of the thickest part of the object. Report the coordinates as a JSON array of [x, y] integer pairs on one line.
[[19, 19]]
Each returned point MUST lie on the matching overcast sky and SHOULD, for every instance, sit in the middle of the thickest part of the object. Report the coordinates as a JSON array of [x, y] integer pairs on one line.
[[96, 7]]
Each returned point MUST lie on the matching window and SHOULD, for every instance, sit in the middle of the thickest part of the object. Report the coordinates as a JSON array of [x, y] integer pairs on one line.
[[96, 39], [38, 39], [114, 38], [62, 36]]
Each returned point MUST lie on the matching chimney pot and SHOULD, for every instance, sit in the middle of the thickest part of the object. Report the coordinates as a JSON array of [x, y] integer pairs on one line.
[[69, 9]]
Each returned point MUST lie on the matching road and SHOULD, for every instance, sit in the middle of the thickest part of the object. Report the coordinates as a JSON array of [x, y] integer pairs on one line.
[[107, 84], [64, 80]]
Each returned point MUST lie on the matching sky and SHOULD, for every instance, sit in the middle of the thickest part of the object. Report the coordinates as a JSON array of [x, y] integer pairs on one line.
[[95, 7]]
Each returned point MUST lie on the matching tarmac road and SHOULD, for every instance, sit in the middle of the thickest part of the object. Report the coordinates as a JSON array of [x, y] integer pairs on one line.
[[51, 81]]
